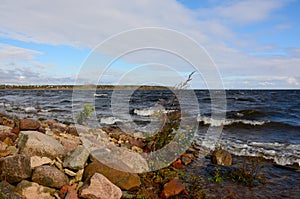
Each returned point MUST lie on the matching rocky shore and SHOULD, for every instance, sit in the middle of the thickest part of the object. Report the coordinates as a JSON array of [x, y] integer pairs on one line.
[[49, 160]]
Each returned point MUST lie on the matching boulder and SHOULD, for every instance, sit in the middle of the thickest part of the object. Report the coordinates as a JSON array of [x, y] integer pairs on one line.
[[172, 188], [124, 180], [34, 143], [33, 190], [15, 168], [29, 124], [7, 191], [49, 176], [100, 188], [221, 157], [76, 159], [68, 192]]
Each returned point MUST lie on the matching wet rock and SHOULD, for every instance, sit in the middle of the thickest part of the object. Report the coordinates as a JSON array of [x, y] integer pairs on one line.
[[77, 158], [49, 176], [124, 180], [172, 188], [68, 192], [33, 190], [178, 164], [221, 157], [36, 161], [7, 191], [15, 168], [100, 188], [212, 169], [29, 124], [5, 132], [187, 158], [34, 143]]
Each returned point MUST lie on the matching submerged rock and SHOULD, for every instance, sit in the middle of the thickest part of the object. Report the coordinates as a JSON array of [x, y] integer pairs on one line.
[[49, 176], [124, 180], [172, 188], [33, 190], [76, 159], [221, 157], [33, 143], [7, 191], [15, 168], [100, 188]]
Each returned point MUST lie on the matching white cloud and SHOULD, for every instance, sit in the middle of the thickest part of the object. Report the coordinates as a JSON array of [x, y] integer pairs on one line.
[[243, 11], [8, 52], [86, 23]]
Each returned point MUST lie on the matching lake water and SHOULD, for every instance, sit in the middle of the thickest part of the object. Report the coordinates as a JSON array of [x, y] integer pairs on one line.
[[263, 123]]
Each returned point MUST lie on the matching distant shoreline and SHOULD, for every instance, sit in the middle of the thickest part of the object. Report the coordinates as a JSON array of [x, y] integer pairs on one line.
[[80, 87], [116, 87]]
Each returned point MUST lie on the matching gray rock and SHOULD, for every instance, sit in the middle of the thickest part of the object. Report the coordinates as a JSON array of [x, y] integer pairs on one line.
[[32, 190], [15, 168], [7, 191], [76, 159], [101, 188], [33, 143], [49, 176]]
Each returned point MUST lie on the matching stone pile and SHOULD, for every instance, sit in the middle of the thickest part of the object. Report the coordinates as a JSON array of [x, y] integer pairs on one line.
[[46, 160]]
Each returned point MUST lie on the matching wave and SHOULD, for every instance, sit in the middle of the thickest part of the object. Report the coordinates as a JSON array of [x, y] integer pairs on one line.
[[226, 122], [150, 112], [30, 109], [100, 94], [280, 153], [246, 113], [110, 120]]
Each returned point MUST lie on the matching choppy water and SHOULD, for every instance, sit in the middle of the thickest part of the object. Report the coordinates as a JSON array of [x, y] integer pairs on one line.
[[258, 123]]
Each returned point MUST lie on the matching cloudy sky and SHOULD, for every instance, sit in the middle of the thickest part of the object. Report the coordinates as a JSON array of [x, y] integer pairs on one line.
[[253, 43]]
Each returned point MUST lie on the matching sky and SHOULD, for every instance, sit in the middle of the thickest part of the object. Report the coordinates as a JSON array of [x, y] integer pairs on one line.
[[254, 44]]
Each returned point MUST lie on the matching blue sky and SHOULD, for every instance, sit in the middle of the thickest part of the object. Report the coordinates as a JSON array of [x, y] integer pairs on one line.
[[254, 44]]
